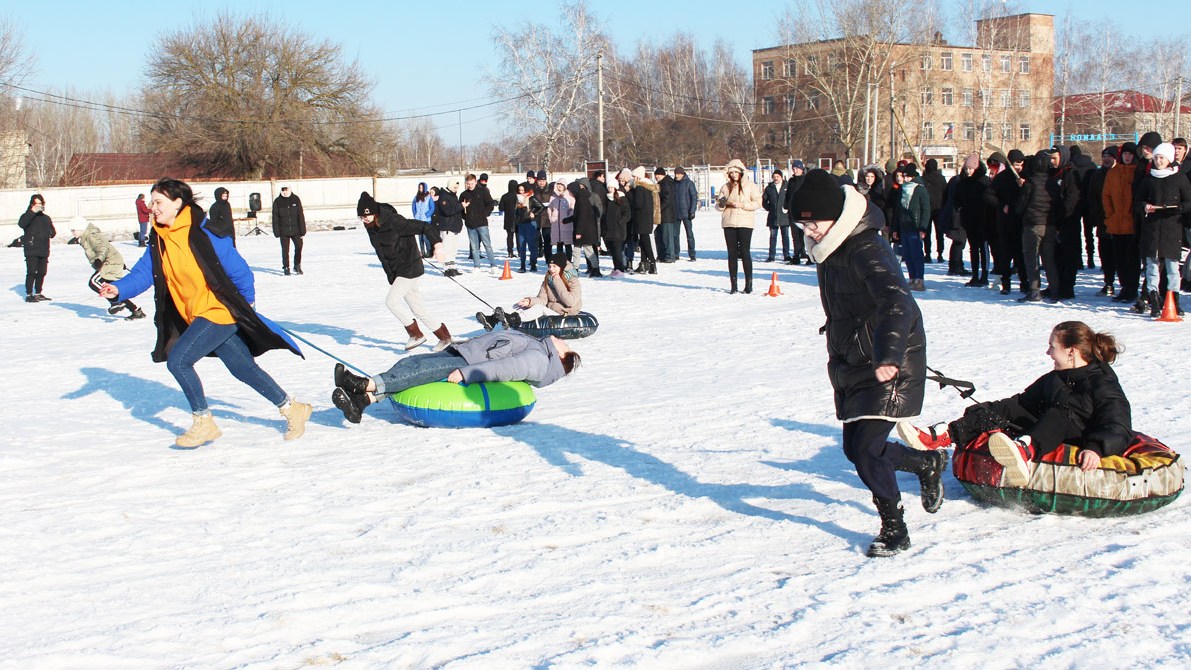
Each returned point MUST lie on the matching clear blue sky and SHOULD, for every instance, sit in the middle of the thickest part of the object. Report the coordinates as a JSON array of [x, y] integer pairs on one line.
[[423, 54]]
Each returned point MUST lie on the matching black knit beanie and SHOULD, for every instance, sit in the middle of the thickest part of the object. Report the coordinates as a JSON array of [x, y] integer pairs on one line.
[[366, 205], [560, 260], [819, 199], [1150, 139]]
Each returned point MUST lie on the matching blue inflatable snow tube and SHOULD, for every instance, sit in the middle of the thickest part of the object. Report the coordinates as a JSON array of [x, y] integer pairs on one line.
[[481, 405]]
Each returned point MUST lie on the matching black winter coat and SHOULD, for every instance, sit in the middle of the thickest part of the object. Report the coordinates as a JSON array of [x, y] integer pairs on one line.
[[772, 200], [39, 230], [448, 213], [1090, 396], [1034, 200], [792, 185], [1005, 187], [976, 202], [872, 320], [586, 230], [666, 194], [617, 216], [219, 217], [1161, 234], [289, 219], [395, 239], [479, 206], [508, 207], [936, 187], [641, 203]]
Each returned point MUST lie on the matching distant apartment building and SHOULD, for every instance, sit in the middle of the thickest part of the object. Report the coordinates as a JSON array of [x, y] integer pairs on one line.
[[819, 101], [14, 150]]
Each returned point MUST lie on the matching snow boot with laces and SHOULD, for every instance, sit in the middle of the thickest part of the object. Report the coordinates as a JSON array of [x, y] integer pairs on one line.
[[202, 431], [295, 413], [929, 466]]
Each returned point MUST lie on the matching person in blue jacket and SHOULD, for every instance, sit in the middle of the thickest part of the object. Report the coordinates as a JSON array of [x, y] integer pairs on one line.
[[423, 210], [205, 297], [502, 356], [686, 204]]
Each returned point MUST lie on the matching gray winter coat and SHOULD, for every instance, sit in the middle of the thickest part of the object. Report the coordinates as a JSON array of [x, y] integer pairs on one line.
[[510, 356]]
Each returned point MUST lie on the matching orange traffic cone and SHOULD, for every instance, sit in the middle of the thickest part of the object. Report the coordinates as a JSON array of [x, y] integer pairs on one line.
[[774, 291], [1170, 313], [506, 274]]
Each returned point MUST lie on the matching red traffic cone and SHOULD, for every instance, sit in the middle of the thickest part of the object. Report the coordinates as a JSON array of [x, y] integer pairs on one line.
[[506, 274], [1170, 313], [773, 291]]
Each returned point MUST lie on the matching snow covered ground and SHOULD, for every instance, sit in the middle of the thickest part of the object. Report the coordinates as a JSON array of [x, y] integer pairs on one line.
[[681, 502]]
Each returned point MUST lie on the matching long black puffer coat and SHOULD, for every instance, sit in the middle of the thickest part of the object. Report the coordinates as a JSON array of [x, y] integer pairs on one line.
[[872, 320], [37, 230]]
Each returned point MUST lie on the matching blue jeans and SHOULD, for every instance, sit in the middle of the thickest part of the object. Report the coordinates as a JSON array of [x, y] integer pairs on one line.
[[670, 234], [689, 225], [527, 242], [476, 237], [1172, 274], [203, 337], [911, 246], [417, 370]]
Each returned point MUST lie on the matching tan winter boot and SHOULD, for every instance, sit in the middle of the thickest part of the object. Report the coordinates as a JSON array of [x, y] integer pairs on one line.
[[444, 338], [295, 414], [416, 338], [202, 431]]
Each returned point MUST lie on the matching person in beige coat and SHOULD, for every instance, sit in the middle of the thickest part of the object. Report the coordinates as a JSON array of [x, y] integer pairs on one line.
[[560, 295], [106, 261], [738, 200]]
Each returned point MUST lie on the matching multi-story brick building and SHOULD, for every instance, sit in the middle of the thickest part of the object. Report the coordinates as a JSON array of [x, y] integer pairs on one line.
[[819, 101]]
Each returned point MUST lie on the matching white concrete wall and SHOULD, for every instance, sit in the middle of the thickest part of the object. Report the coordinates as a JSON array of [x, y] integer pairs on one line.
[[113, 208]]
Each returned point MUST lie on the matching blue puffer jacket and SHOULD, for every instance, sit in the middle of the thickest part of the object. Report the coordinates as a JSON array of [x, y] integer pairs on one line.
[[425, 209], [686, 198]]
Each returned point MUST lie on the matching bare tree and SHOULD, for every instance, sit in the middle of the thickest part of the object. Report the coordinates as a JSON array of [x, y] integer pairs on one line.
[[550, 68], [15, 66], [855, 49], [253, 94]]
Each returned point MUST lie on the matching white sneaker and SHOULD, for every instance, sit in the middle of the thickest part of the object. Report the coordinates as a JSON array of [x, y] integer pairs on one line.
[[1013, 456]]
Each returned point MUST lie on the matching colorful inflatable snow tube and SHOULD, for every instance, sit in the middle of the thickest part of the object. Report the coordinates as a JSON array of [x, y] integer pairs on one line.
[[563, 327], [1148, 476], [481, 405]]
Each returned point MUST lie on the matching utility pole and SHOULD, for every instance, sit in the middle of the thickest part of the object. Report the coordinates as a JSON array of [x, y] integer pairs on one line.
[[461, 169], [600, 99], [1178, 107], [892, 133], [868, 104]]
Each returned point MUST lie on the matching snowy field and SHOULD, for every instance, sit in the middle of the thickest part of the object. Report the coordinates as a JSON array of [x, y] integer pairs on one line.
[[680, 502]]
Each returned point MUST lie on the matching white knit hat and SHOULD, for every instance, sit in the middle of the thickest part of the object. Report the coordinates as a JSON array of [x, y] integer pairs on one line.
[[1165, 149]]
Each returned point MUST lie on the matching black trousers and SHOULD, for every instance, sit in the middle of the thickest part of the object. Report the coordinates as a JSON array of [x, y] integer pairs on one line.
[[1047, 431], [645, 244], [1128, 265], [616, 251], [867, 446], [739, 241], [35, 269], [285, 240], [96, 282]]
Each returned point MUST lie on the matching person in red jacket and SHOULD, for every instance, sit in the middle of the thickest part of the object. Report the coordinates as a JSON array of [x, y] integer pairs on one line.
[[142, 217]]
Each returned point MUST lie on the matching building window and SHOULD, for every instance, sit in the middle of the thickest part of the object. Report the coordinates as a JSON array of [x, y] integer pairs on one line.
[[1006, 131], [969, 131], [791, 68], [1023, 98], [926, 61], [986, 132], [966, 60], [767, 70], [1006, 98], [947, 97], [928, 95], [985, 97], [767, 106], [967, 100], [812, 64], [949, 131], [1024, 131], [945, 61], [1006, 64], [928, 130], [791, 102], [986, 63], [1024, 65]]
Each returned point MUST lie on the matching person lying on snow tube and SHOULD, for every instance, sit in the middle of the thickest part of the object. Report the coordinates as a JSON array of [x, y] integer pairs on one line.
[[507, 356], [560, 295], [1080, 403]]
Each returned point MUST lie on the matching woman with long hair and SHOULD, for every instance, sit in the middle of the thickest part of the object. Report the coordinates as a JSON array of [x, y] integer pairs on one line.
[[1079, 403], [737, 200], [423, 210], [205, 294]]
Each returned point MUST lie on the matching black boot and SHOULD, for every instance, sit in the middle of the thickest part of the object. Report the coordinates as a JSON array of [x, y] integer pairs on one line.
[[1141, 306], [349, 382], [929, 466], [1155, 305], [893, 538], [286, 271], [487, 321], [748, 285], [653, 267], [1177, 308], [351, 404], [297, 269]]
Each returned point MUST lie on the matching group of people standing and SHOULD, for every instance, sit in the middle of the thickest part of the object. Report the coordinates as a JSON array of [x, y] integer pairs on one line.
[[1042, 218]]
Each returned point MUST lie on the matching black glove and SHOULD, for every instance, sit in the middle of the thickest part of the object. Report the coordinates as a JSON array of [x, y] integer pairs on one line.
[[96, 263]]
